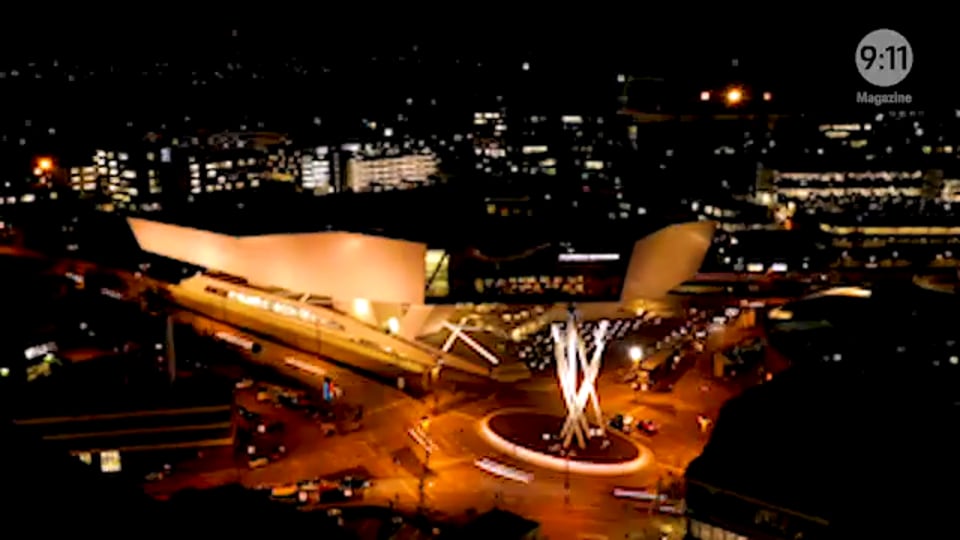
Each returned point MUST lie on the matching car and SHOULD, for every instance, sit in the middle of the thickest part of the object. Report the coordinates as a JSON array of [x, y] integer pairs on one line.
[[248, 415], [154, 476], [269, 427], [291, 401], [259, 462], [648, 427], [316, 484], [621, 422], [354, 483], [289, 490]]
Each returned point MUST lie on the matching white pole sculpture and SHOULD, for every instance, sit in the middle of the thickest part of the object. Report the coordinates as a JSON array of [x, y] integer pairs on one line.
[[577, 375], [459, 331]]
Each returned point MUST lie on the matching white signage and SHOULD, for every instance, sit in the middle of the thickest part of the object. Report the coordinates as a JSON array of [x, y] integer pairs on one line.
[[588, 257], [235, 340]]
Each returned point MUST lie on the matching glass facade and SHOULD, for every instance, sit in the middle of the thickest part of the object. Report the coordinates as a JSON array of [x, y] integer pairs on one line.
[[544, 273], [438, 273]]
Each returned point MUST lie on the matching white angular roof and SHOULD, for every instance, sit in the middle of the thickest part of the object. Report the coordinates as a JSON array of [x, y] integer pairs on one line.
[[337, 264], [666, 258], [348, 265]]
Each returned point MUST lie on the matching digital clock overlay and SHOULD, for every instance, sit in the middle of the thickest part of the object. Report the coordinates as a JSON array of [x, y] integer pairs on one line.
[[884, 58]]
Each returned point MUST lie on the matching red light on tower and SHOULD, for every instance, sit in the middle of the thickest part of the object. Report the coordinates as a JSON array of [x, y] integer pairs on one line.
[[767, 96]]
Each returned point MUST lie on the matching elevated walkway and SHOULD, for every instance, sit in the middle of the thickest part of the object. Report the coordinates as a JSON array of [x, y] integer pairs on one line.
[[285, 318]]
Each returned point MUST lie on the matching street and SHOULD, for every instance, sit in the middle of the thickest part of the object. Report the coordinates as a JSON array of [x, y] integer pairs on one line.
[[574, 507], [385, 451]]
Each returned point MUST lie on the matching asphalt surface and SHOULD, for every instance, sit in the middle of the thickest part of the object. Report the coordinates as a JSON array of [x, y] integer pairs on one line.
[[383, 449], [574, 507]]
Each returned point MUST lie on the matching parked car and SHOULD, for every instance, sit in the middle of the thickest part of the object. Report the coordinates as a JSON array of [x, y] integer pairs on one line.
[[621, 423], [259, 462], [355, 483], [648, 427]]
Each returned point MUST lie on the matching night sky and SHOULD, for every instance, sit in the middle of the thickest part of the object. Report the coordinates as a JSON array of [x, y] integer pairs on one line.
[[368, 65]]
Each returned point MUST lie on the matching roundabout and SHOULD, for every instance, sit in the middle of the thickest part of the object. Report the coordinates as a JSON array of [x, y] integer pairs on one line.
[[521, 433]]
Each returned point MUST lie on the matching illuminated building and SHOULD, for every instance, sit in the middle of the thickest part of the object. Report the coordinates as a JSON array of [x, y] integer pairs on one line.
[[128, 180], [242, 161], [380, 173], [585, 155], [377, 287], [318, 170]]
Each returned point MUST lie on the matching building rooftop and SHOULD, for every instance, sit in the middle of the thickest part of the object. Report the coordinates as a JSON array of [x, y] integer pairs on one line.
[[111, 385]]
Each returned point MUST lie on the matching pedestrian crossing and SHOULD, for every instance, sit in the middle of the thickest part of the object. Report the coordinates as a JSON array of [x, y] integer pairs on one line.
[[450, 443]]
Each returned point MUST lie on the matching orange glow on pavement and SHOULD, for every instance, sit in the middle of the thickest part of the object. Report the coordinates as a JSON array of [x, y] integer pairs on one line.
[[560, 464]]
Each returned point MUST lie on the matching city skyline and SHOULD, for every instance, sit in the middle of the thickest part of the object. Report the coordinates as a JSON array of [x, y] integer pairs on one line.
[[644, 276]]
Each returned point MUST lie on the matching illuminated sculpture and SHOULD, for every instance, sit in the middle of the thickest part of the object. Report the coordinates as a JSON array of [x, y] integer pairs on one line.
[[459, 331], [578, 375]]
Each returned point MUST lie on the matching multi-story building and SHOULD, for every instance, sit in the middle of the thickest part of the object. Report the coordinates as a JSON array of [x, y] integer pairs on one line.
[[131, 182], [148, 176], [319, 170], [243, 161], [130, 179], [585, 160], [384, 173], [386, 164]]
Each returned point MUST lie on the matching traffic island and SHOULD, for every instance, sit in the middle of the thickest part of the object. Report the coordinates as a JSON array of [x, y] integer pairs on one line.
[[520, 434]]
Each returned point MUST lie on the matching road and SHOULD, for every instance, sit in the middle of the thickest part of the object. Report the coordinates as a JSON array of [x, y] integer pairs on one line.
[[456, 485], [586, 509]]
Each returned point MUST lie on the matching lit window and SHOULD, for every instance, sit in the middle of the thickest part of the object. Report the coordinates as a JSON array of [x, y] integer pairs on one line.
[[110, 461]]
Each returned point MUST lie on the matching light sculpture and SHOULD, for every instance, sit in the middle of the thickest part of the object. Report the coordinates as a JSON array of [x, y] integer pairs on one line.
[[459, 331], [577, 374]]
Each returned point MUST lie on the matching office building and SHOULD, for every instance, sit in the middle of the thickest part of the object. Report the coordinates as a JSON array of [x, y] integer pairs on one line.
[[319, 170], [382, 171], [241, 161], [130, 180]]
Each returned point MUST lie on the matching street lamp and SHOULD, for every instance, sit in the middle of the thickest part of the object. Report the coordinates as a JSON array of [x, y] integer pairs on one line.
[[734, 96], [43, 169], [636, 354]]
